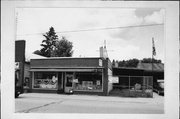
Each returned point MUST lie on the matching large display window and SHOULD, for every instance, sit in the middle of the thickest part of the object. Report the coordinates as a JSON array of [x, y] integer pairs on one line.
[[45, 80], [88, 81]]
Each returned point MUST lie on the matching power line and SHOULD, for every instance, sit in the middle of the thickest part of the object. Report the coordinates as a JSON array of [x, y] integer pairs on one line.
[[98, 29]]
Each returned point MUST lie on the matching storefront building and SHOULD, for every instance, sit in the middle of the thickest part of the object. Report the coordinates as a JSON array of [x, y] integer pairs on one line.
[[132, 82], [19, 66], [61, 75]]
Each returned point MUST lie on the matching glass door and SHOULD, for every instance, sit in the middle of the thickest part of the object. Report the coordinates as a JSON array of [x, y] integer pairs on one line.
[[69, 82], [60, 82]]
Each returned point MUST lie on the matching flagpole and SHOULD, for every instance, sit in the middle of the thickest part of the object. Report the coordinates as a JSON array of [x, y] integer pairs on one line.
[[152, 53]]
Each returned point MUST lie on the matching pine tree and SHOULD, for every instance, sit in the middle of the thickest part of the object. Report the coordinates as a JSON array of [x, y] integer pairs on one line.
[[53, 47], [49, 43]]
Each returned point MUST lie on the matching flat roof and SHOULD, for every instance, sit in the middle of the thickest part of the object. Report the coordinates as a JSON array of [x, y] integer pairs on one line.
[[151, 66], [70, 58], [130, 68]]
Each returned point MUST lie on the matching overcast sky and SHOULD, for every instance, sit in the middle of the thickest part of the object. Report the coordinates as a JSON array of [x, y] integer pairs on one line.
[[122, 43]]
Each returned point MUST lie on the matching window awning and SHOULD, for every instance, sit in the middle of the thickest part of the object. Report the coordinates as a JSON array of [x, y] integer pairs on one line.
[[67, 70]]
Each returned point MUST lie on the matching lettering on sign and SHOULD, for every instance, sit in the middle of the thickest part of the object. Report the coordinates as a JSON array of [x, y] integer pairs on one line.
[[98, 82], [75, 80], [100, 62], [113, 79]]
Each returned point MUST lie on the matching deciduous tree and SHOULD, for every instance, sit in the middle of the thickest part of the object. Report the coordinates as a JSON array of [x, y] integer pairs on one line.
[[53, 47]]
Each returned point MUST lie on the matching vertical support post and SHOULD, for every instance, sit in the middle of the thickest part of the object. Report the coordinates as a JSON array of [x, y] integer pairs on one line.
[[32, 80], [144, 84], [148, 84], [129, 85]]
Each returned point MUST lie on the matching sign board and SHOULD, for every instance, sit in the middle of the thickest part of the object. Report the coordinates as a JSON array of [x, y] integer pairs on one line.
[[100, 62], [160, 80], [75, 80], [98, 82], [113, 79]]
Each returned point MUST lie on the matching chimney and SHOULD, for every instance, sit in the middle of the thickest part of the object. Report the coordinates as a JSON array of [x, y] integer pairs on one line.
[[101, 49]]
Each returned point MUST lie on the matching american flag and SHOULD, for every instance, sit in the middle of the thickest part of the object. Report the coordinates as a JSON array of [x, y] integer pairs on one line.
[[153, 47]]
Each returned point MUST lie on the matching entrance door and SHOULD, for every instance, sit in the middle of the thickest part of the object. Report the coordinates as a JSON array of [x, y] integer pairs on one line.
[[60, 82], [69, 82]]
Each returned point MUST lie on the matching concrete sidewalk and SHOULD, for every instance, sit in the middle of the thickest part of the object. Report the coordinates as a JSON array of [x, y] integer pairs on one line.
[[62, 103], [156, 98]]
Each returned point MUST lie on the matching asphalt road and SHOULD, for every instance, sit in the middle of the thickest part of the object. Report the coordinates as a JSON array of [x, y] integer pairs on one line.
[[55, 103]]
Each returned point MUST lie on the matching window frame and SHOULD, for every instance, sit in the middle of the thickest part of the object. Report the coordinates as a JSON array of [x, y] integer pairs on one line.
[[33, 81]]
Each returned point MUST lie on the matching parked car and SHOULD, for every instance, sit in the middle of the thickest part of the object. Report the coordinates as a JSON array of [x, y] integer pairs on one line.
[[18, 91], [159, 87], [18, 87]]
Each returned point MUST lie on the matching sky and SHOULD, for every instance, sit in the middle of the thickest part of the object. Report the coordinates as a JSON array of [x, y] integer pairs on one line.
[[122, 42]]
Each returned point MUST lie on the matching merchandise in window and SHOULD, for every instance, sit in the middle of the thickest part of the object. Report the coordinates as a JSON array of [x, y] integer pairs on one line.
[[88, 81], [45, 80]]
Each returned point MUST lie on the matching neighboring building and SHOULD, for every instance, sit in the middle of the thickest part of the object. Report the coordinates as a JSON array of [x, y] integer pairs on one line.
[[145, 76], [27, 75], [19, 66], [132, 83], [26, 83], [156, 70], [61, 75]]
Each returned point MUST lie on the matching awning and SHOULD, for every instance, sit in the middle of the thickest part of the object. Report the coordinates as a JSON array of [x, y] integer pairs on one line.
[[67, 70]]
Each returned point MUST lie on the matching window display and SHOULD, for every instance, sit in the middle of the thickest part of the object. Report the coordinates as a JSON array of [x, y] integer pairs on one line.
[[88, 81], [45, 80]]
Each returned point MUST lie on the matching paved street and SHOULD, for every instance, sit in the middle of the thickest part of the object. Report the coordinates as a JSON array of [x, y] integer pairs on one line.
[[59, 103]]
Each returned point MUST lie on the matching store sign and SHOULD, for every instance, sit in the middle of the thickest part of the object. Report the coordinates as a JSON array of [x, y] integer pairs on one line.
[[100, 62], [98, 82], [113, 79], [75, 80]]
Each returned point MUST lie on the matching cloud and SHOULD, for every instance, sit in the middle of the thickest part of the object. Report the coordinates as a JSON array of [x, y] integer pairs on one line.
[[138, 17], [142, 12], [125, 34], [156, 17], [125, 43], [125, 52], [105, 18]]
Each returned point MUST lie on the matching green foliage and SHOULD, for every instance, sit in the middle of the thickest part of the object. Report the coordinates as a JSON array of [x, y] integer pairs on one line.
[[134, 62], [49, 43], [37, 52], [128, 63], [63, 48], [150, 60], [52, 47]]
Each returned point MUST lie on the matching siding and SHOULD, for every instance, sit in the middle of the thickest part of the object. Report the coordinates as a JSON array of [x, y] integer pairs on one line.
[[65, 62]]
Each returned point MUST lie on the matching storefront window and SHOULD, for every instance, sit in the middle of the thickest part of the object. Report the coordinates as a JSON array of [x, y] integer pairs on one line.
[[88, 81], [45, 80]]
